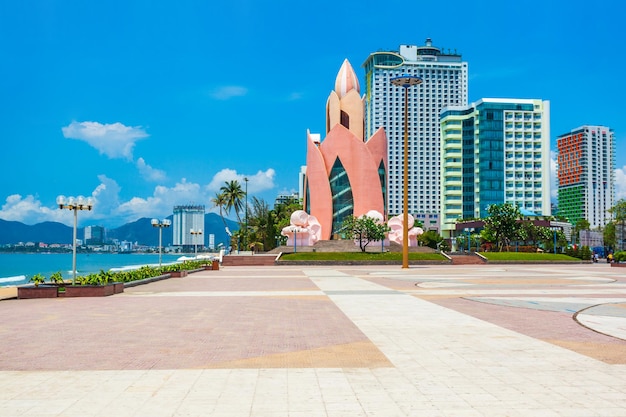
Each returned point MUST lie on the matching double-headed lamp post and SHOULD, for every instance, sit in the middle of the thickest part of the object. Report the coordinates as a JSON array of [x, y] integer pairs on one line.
[[75, 204], [160, 224], [195, 234], [405, 81]]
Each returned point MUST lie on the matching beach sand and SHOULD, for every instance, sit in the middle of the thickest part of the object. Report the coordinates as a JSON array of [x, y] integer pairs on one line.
[[8, 292]]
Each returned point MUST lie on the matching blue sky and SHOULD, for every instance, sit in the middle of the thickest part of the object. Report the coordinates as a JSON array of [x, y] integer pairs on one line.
[[148, 104]]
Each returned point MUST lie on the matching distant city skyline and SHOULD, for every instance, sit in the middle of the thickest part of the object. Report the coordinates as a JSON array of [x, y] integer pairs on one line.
[[147, 107]]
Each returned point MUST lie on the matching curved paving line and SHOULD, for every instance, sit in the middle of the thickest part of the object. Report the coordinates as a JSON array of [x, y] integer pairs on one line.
[[575, 317]]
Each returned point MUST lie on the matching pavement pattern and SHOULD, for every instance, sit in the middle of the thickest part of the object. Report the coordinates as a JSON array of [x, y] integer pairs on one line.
[[484, 340]]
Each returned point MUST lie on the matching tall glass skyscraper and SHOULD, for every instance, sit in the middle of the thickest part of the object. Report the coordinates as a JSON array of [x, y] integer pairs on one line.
[[444, 84]]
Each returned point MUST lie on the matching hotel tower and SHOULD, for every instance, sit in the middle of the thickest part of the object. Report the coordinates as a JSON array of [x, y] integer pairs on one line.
[[444, 76], [586, 174], [492, 152]]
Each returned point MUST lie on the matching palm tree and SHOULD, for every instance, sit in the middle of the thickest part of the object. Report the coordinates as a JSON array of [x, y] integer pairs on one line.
[[234, 196], [219, 201]]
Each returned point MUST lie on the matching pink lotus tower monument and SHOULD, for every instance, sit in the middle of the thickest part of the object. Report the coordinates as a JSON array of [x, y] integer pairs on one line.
[[346, 172]]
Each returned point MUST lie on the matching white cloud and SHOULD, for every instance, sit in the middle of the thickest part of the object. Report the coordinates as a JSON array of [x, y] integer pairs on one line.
[[29, 210], [111, 211], [162, 201], [149, 173], [261, 181], [228, 92], [620, 183], [114, 140]]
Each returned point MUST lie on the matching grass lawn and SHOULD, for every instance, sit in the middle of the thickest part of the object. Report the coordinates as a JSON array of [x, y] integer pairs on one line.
[[360, 256], [527, 256]]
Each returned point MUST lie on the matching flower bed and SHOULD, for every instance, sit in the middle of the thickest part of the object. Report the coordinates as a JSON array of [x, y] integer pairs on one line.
[[104, 283]]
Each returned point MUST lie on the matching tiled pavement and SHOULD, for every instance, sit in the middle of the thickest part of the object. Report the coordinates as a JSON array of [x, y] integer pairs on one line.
[[345, 341]]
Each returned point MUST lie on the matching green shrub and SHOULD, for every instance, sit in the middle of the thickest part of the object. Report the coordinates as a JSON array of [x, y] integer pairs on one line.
[[620, 256]]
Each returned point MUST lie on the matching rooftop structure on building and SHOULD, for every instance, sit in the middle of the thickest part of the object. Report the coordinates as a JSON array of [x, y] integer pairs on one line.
[[586, 174], [494, 151], [445, 83]]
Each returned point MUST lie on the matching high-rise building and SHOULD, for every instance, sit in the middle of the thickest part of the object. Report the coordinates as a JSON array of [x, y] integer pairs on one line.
[[586, 174], [494, 151], [94, 235], [444, 76], [187, 219]]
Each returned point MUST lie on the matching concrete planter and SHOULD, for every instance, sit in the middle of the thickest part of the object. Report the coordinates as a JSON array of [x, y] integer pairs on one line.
[[618, 265], [90, 290], [178, 274], [215, 266], [42, 291]]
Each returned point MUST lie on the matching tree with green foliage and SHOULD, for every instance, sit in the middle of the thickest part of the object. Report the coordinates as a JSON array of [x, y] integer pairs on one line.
[[502, 224], [364, 229], [282, 212], [259, 222], [608, 233], [219, 201], [233, 196], [581, 224], [430, 238], [618, 212]]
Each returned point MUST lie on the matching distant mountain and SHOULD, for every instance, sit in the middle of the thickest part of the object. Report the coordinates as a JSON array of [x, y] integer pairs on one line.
[[48, 232], [140, 231]]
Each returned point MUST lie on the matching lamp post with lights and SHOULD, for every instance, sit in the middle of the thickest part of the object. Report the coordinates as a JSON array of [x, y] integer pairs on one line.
[[160, 224], [405, 81], [74, 204], [195, 234]]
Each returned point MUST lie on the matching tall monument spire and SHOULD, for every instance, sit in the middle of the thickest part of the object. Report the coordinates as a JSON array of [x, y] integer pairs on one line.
[[346, 80]]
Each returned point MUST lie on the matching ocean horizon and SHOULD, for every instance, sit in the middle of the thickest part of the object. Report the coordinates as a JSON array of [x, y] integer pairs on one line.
[[17, 268]]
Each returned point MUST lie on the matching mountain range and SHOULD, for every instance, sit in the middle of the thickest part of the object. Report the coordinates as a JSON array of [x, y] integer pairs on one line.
[[140, 231]]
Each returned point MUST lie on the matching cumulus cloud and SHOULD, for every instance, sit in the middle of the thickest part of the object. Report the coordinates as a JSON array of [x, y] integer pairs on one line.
[[110, 210], [228, 92], [149, 173], [113, 140], [29, 210], [620, 183], [162, 200], [261, 181]]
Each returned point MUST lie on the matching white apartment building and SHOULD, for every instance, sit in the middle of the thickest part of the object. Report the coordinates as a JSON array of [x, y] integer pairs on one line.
[[494, 151], [586, 174], [445, 83], [188, 226]]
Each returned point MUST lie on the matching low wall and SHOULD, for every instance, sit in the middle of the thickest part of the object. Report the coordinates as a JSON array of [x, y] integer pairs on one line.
[[248, 260]]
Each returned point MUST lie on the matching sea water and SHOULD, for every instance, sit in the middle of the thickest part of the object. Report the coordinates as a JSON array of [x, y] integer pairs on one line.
[[18, 268]]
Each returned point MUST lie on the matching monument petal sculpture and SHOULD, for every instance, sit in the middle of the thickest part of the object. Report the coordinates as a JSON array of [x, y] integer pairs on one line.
[[304, 229], [395, 235]]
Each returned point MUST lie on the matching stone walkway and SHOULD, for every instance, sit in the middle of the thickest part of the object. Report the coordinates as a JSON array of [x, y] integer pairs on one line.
[[513, 340]]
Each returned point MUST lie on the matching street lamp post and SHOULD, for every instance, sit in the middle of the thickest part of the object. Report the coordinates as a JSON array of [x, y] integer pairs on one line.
[[195, 233], [405, 81], [160, 224], [75, 204], [246, 233]]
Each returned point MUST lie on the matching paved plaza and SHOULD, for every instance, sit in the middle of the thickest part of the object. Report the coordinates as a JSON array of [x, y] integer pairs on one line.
[[478, 340]]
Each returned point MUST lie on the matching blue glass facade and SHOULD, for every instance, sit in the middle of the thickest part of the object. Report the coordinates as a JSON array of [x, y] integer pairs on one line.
[[343, 202], [491, 151]]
